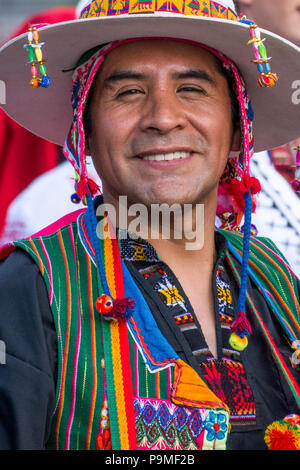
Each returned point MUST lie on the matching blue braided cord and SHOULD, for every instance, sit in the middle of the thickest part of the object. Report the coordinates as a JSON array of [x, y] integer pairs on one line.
[[267, 297], [241, 306], [91, 225]]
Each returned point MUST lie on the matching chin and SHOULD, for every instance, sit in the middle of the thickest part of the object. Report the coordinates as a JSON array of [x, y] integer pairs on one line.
[[173, 193], [171, 199]]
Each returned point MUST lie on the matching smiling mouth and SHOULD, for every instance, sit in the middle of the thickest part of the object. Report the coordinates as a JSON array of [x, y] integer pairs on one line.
[[166, 156]]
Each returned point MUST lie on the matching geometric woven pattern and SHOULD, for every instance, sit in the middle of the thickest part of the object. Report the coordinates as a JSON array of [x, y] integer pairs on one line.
[[162, 425], [227, 379]]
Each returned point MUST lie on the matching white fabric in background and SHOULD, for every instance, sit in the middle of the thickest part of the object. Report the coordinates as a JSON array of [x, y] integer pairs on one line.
[[278, 211], [45, 200]]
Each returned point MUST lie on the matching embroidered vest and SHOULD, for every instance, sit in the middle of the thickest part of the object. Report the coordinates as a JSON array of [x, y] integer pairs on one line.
[[126, 378], [126, 374]]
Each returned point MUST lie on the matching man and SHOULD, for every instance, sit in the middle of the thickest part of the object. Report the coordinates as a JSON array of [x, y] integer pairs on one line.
[[278, 206], [114, 341]]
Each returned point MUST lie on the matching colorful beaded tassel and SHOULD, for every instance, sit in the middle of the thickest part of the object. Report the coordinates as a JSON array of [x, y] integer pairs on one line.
[[34, 49], [266, 77]]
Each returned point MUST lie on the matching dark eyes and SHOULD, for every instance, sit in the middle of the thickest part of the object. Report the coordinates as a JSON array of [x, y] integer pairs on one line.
[[129, 92], [192, 89], [183, 89]]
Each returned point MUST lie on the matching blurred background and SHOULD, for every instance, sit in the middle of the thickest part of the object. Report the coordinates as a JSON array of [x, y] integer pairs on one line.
[[14, 12]]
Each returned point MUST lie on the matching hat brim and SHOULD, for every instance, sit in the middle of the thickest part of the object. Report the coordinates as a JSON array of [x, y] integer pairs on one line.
[[48, 112]]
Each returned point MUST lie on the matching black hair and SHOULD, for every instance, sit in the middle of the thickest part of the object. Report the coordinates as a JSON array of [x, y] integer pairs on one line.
[[238, 7]]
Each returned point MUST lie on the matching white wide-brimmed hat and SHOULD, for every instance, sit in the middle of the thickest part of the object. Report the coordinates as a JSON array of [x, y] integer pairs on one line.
[[48, 112]]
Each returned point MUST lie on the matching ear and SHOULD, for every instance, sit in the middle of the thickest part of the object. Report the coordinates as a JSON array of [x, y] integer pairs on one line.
[[87, 146], [236, 140]]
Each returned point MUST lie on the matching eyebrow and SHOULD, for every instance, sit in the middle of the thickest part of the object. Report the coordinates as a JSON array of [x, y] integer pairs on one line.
[[195, 73], [120, 75]]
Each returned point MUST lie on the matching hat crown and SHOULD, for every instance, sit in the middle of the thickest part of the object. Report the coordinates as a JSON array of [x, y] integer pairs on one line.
[[206, 8]]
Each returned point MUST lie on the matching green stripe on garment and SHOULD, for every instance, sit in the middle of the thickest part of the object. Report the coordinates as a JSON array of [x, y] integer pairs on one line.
[[111, 395], [272, 275]]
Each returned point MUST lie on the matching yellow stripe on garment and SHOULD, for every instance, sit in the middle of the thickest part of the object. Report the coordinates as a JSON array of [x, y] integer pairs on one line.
[[41, 266], [119, 385], [116, 349]]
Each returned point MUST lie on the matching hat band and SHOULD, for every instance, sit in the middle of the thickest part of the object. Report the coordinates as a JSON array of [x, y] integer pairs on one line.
[[204, 8]]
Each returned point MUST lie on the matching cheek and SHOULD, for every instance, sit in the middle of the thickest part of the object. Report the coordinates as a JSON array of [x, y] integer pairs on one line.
[[218, 124], [112, 130], [103, 137]]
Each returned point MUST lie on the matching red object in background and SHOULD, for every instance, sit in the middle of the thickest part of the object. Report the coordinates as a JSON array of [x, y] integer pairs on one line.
[[24, 156]]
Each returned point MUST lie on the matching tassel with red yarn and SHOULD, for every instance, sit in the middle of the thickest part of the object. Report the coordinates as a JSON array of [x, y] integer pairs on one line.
[[86, 186], [240, 187], [241, 325], [114, 309], [83, 187]]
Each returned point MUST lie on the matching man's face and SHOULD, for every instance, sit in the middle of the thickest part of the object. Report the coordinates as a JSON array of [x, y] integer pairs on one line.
[[161, 123], [279, 16]]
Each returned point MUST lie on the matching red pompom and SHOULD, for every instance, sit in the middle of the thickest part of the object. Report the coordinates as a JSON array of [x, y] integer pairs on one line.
[[282, 435], [251, 183], [240, 187]]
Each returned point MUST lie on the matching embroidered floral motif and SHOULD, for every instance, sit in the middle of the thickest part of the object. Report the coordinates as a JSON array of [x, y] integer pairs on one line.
[[216, 426]]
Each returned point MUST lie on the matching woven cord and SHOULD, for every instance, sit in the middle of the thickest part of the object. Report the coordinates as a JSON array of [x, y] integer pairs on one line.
[[246, 249]]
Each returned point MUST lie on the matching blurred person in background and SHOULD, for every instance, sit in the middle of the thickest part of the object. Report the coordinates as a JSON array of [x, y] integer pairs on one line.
[[18, 146], [278, 206], [280, 16]]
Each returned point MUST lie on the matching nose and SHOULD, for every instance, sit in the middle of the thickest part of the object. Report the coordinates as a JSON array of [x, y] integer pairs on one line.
[[163, 112]]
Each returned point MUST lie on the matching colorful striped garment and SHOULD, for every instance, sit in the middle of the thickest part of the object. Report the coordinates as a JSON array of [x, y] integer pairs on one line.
[[120, 384]]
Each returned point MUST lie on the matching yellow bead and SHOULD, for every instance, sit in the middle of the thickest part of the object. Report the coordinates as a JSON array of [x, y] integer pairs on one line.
[[38, 54], [238, 343]]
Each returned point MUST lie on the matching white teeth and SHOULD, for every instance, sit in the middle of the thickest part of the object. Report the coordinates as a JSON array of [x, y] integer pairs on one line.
[[167, 156]]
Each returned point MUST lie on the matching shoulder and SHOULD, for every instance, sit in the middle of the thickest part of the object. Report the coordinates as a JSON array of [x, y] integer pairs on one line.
[[51, 230], [263, 246], [17, 262]]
